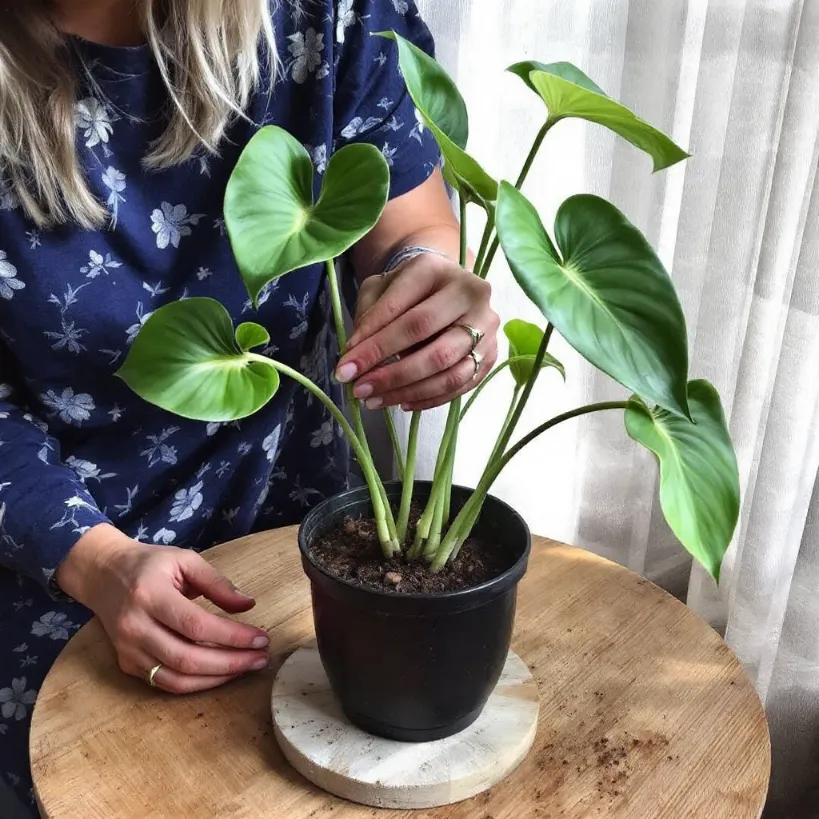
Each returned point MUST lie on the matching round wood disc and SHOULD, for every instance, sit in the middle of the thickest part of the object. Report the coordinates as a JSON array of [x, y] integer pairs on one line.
[[323, 746]]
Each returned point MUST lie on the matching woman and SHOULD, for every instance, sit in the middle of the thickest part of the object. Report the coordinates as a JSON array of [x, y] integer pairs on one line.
[[120, 122]]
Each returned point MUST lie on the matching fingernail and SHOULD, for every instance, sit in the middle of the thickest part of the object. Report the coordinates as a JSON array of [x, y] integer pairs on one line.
[[234, 588], [259, 664], [353, 340], [262, 641], [346, 373], [406, 407], [363, 391], [374, 403]]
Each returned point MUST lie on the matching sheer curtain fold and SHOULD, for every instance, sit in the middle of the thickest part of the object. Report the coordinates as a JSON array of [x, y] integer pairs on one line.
[[737, 83]]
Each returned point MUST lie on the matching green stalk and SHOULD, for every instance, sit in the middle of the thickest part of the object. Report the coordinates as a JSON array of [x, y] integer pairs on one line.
[[442, 479], [386, 533], [487, 235], [396, 444], [509, 428], [499, 369], [355, 406], [527, 166], [459, 532], [450, 473], [425, 522], [409, 479], [477, 509]]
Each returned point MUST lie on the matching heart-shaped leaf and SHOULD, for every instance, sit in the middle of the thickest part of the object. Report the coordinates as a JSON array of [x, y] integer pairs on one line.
[[524, 342], [699, 481], [187, 360], [605, 291], [273, 224], [568, 92], [442, 108]]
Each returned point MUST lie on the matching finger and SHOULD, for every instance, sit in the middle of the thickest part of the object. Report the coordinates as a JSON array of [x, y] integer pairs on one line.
[[195, 660], [436, 356], [417, 325], [443, 386], [138, 664], [368, 294], [400, 294], [184, 617], [213, 585], [440, 400]]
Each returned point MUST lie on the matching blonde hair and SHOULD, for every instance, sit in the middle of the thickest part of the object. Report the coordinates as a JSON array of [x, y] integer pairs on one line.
[[208, 55]]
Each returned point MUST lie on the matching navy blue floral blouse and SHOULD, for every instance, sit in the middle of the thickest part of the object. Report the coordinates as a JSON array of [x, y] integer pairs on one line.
[[77, 448]]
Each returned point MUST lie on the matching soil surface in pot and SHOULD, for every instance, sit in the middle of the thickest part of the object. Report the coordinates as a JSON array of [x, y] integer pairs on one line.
[[351, 552]]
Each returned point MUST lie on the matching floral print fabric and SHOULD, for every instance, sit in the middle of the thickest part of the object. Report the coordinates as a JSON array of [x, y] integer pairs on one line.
[[77, 448]]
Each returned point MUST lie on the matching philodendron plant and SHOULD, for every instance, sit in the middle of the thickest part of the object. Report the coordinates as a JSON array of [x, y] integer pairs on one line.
[[596, 280]]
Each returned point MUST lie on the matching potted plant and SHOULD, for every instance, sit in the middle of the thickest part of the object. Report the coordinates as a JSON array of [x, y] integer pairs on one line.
[[414, 609]]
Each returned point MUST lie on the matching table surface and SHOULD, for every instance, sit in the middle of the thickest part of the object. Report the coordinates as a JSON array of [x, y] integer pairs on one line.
[[645, 712]]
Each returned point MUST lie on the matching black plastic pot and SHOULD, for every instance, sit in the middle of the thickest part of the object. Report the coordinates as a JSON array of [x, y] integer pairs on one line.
[[414, 667]]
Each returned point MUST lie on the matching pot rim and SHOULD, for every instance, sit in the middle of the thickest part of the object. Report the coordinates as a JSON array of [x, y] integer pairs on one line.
[[511, 576]]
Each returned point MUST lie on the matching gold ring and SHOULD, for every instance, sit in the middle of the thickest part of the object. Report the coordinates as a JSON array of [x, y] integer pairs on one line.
[[152, 674], [477, 360], [475, 335]]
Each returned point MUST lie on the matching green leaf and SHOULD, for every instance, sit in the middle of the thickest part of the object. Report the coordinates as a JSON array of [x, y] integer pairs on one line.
[[525, 340], [187, 360], [605, 291], [250, 335], [699, 480], [442, 108], [568, 92], [273, 224], [565, 71]]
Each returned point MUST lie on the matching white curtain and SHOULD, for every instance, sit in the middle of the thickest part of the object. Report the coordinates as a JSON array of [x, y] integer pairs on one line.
[[737, 83]]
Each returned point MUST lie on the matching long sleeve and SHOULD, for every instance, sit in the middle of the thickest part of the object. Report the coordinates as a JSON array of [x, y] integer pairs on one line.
[[44, 505]]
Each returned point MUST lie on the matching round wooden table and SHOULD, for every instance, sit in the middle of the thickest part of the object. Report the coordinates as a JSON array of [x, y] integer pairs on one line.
[[645, 713]]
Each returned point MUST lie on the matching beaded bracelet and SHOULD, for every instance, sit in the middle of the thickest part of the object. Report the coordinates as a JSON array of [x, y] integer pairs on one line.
[[409, 253]]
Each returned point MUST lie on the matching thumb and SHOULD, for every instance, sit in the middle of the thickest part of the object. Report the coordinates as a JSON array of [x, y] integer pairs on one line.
[[201, 577]]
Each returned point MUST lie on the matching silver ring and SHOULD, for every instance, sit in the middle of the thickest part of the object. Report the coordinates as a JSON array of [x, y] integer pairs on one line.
[[475, 335], [477, 360], [152, 674]]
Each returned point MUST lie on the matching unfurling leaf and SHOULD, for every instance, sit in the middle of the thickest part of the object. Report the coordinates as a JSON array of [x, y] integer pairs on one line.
[[443, 110], [524, 342], [187, 360], [273, 224], [604, 290], [568, 92], [699, 481]]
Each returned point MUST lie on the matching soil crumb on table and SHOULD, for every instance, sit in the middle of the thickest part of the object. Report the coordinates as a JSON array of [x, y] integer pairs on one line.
[[352, 552]]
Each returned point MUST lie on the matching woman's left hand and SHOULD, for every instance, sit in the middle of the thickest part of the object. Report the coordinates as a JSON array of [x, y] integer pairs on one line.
[[414, 313]]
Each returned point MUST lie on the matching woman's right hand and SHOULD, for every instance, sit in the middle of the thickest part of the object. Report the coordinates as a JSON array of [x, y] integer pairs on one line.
[[141, 594]]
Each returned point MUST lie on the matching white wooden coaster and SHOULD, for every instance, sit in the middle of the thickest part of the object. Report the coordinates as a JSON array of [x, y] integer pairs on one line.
[[324, 747]]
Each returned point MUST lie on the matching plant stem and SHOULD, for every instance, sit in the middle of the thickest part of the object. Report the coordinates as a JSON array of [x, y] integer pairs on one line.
[[431, 519], [513, 405], [439, 480], [382, 515], [458, 531], [477, 509], [450, 465], [499, 369], [487, 235], [527, 166], [509, 428], [409, 479], [396, 444], [355, 407], [462, 202]]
